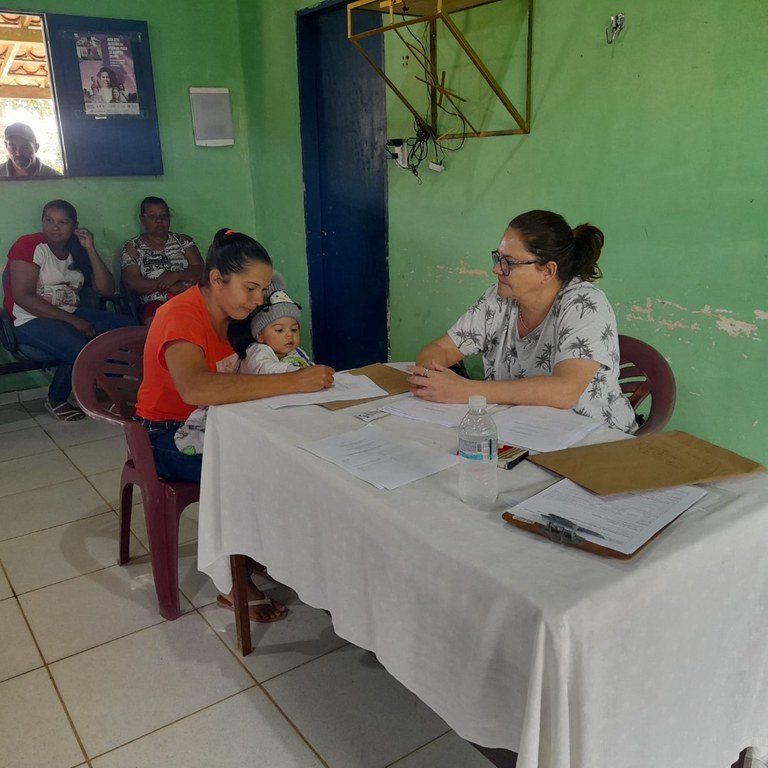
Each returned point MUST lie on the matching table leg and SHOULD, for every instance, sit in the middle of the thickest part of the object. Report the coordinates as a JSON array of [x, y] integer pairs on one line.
[[239, 565]]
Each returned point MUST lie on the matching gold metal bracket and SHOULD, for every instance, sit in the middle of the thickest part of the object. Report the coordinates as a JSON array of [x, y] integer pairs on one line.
[[399, 14]]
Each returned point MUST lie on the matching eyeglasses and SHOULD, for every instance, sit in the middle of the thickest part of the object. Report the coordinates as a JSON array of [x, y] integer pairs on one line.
[[507, 264], [156, 216]]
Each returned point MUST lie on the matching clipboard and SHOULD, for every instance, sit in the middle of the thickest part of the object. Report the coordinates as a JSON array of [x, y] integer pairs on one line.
[[617, 527], [568, 535], [393, 380]]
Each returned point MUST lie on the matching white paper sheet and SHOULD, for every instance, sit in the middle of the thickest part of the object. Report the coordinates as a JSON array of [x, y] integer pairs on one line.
[[623, 522], [540, 428], [385, 462], [410, 407], [345, 387]]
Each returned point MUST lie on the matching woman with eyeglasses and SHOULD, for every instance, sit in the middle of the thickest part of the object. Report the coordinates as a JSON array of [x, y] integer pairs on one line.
[[159, 263], [546, 333]]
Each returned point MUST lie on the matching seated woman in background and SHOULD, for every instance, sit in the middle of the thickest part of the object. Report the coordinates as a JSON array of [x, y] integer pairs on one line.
[[185, 345], [159, 263], [547, 335], [45, 274]]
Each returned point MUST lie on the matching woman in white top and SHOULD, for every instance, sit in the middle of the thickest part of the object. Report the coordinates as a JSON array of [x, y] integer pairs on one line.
[[45, 274], [546, 334]]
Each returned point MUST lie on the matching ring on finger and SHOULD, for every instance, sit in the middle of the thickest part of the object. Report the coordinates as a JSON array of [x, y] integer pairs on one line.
[[426, 373]]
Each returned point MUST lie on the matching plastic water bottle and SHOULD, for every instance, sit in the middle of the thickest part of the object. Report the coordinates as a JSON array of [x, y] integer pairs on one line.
[[478, 452]]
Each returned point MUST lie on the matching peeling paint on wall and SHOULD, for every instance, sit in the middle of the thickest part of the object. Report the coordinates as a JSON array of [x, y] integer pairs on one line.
[[736, 327], [463, 271], [671, 325], [657, 311]]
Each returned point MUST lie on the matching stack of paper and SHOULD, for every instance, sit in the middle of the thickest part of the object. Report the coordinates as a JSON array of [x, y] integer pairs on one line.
[[384, 462], [411, 407], [540, 428], [345, 387]]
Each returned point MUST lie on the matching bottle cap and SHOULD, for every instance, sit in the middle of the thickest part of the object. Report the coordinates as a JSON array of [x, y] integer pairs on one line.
[[477, 401]]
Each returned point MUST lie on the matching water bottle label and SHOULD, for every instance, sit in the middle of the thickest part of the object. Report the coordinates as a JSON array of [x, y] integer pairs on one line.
[[478, 450]]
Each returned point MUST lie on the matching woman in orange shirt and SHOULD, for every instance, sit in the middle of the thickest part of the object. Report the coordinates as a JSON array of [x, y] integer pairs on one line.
[[186, 341]]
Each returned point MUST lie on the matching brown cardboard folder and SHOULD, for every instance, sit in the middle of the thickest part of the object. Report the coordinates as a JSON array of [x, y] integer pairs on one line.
[[391, 379], [661, 460]]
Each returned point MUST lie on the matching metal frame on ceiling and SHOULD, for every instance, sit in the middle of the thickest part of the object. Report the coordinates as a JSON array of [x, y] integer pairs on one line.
[[397, 14]]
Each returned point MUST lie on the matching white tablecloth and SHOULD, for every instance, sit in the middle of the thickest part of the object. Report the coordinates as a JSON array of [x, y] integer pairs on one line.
[[570, 659]]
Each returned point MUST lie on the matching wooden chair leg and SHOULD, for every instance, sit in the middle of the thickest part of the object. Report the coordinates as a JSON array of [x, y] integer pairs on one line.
[[239, 565]]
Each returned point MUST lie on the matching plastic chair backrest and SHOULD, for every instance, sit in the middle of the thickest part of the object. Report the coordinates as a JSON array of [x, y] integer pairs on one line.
[[645, 373], [112, 364], [106, 380]]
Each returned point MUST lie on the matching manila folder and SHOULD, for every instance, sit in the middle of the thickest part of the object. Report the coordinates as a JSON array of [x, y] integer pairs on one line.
[[661, 460], [392, 379]]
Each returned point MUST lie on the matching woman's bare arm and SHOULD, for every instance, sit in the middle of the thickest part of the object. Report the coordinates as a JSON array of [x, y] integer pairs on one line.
[[562, 389], [103, 279], [441, 351], [199, 386]]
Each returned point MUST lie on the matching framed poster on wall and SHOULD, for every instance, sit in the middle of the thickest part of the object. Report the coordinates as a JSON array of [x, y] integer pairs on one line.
[[102, 78]]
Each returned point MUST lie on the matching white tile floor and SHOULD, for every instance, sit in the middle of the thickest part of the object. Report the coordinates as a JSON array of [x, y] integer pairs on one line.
[[90, 674]]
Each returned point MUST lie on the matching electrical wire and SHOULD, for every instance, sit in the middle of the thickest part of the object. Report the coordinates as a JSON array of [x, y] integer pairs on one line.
[[419, 144]]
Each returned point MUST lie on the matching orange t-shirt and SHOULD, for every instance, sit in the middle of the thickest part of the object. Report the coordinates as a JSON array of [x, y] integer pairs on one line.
[[183, 318]]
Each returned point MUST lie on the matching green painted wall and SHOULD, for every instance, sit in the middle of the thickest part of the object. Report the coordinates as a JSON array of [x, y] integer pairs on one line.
[[194, 43], [658, 139]]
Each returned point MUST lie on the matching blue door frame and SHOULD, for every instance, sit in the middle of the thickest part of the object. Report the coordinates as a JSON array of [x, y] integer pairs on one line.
[[343, 129]]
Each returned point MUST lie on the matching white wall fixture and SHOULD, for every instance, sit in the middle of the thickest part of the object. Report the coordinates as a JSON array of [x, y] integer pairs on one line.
[[211, 117]]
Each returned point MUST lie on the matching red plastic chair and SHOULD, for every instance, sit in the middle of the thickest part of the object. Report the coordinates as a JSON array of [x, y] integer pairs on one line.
[[645, 373], [105, 380]]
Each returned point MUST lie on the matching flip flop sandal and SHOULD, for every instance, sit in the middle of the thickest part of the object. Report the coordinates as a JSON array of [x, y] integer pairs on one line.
[[64, 411], [223, 602]]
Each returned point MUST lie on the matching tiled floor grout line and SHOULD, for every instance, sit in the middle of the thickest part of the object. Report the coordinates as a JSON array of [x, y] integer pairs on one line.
[[47, 664], [295, 727], [68, 716], [61, 525], [177, 720], [416, 749], [48, 485], [44, 666]]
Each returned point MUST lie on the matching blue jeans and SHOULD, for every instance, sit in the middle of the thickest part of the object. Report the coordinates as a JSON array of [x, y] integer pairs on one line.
[[46, 339], [170, 462]]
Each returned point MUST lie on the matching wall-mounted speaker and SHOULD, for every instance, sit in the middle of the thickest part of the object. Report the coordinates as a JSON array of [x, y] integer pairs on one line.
[[211, 117]]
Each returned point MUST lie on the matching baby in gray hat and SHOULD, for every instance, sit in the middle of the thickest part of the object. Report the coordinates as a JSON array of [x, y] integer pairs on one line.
[[273, 347], [276, 329]]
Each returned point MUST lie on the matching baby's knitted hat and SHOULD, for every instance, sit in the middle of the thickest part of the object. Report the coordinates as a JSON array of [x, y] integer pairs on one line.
[[276, 305]]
